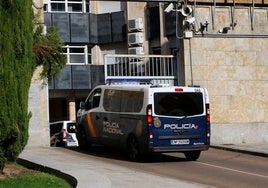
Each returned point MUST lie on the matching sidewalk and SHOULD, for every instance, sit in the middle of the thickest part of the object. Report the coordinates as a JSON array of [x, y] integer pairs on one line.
[[84, 173]]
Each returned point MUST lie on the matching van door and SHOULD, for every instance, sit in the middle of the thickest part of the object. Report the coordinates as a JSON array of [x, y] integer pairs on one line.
[[90, 117], [112, 129], [179, 121]]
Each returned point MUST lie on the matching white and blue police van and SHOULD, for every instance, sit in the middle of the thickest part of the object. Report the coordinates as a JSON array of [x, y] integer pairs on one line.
[[146, 118]]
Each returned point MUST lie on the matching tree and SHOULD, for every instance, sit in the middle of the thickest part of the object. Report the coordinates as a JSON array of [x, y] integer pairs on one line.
[[16, 68], [48, 51], [18, 40]]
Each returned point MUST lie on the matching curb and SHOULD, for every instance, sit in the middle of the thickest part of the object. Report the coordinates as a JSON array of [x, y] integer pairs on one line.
[[70, 179], [256, 153]]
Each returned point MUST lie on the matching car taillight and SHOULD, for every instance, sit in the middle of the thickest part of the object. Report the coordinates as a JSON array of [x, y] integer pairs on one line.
[[207, 113], [208, 123], [149, 114], [151, 134], [208, 132], [178, 89], [64, 136]]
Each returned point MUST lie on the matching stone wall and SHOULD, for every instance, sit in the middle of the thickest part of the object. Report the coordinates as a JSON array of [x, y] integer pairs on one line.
[[234, 69]]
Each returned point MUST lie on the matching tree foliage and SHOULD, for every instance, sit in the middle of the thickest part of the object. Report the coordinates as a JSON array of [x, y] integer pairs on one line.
[[48, 51], [23, 47], [16, 68]]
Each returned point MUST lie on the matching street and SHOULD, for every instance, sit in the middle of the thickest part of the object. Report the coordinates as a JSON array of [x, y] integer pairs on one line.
[[215, 167]]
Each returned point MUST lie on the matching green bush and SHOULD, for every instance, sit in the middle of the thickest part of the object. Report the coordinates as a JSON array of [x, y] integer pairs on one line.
[[16, 69], [23, 47]]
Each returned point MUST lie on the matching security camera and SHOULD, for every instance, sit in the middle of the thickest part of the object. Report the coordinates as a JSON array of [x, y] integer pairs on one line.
[[191, 20], [169, 8], [186, 11]]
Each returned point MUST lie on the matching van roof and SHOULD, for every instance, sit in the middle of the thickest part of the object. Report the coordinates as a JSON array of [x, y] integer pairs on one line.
[[67, 121], [165, 87]]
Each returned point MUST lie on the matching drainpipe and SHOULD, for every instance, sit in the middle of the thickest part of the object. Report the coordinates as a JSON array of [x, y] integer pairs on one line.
[[179, 49]]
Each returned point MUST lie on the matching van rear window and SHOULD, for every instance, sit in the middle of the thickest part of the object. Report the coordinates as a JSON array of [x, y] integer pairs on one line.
[[71, 127], [55, 128], [178, 104]]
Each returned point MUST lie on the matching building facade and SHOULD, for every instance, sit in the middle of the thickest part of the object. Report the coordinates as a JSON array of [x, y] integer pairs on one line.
[[221, 45]]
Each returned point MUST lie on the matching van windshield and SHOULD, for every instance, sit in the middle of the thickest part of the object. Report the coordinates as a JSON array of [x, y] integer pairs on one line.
[[178, 104]]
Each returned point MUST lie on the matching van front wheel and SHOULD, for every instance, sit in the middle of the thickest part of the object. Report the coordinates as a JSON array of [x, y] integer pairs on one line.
[[192, 155], [82, 139], [133, 148]]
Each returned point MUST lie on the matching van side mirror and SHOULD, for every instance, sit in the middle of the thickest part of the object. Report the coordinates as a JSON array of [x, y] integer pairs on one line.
[[82, 105]]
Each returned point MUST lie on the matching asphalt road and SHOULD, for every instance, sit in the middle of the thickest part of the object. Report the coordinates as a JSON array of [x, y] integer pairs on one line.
[[215, 167]]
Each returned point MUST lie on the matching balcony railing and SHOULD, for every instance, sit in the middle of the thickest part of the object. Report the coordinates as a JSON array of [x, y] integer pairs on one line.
[[160, 69]]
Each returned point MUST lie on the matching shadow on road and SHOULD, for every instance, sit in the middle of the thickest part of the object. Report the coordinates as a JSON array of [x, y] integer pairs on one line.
[[116, 154]]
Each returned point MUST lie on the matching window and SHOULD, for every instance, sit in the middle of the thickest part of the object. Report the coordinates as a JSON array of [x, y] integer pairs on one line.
[[67, 6], [77, 55], [55, 128], [123, 100], [178, 104], [93, 101], [71, 127], [111, 100], [132, 101]]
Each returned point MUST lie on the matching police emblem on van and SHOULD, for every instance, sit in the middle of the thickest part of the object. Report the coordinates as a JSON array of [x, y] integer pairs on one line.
[[157, 122]]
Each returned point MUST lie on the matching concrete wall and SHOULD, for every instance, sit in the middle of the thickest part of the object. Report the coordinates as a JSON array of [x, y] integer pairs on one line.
[[38, 102], [234, 69], [38, 106]]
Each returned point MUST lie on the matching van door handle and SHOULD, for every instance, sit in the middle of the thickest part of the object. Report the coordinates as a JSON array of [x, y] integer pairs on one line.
[[105, 118]]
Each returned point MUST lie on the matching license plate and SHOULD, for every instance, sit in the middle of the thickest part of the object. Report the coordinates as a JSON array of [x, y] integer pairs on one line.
[[71, 144], [180, 142]]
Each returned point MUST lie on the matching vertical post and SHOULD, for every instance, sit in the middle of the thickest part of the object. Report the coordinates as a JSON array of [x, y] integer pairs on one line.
[[179, 48], [191, 62], [71, 105]]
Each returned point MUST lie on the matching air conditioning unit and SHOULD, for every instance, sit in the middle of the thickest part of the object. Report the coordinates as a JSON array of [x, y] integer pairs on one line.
[[135, 38], [136, 50], [135, 24]]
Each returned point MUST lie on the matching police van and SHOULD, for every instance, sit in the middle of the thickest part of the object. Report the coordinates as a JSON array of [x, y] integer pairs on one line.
[[63, 133], [146, 118]]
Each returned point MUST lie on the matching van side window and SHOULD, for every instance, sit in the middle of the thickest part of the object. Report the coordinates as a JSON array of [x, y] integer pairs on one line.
[[123, 100], [93, 100], [131, 101], [112, 100]]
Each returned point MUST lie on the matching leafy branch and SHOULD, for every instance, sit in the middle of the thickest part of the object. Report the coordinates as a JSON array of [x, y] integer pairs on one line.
[[48, 51]]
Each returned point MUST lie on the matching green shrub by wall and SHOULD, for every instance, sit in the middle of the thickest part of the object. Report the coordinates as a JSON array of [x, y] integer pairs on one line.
[[16, 68]]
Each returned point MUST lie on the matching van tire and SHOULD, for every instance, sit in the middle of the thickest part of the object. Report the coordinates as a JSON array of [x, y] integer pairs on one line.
[[82, 138], [192, 155], [57, 144], [133, 148]]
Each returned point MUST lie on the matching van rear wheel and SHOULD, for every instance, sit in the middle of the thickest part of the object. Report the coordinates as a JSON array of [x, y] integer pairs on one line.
[[82, 139], [133, 148], [192, 155]]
